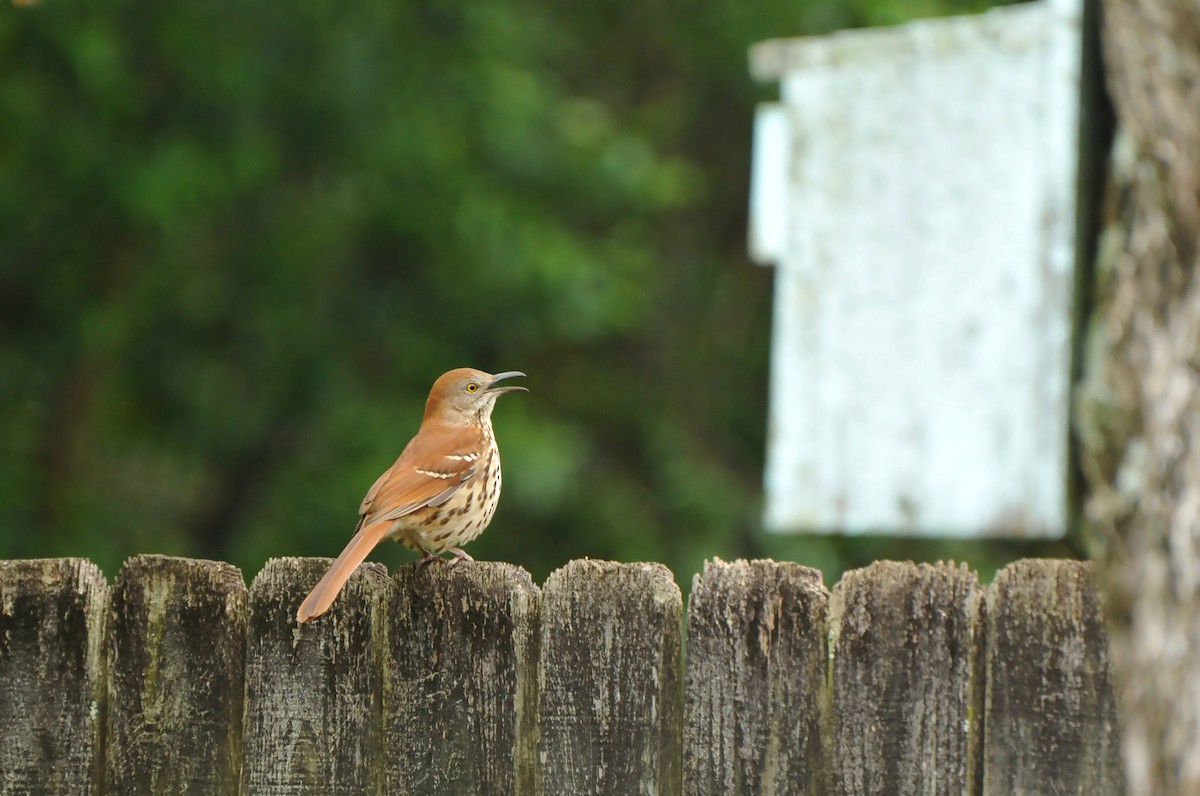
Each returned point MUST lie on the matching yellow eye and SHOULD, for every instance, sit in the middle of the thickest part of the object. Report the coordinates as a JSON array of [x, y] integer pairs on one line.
[[472, 387]]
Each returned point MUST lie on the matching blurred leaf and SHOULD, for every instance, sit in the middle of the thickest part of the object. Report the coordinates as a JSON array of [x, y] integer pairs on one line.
[[238, 241]]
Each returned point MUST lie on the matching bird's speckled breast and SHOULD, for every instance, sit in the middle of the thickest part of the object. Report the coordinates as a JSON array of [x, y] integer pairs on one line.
[[460, 519]]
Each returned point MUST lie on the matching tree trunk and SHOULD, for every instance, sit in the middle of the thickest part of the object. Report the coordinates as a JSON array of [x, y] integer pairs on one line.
[[1139, 406]]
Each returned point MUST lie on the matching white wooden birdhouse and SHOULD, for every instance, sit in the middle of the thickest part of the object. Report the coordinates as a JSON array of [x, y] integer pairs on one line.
[[915, 189]]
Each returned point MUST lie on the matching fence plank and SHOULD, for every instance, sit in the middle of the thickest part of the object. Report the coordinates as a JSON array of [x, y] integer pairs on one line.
[[314, 692], [907, 680], [176, 657], [610, 676], [468, 680], [52, 619], [460, 695], [755, 680], [1051, 714]]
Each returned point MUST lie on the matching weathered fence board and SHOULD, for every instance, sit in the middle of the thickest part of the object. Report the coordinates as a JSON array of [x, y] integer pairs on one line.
[[460, 694], [609, 673], [1050, 715], [314, 707], [52, 617], [176, 657], [907, 680], [755, 684]]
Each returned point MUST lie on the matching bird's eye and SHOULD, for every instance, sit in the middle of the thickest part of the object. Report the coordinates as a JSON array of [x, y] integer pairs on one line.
[[472, 387]]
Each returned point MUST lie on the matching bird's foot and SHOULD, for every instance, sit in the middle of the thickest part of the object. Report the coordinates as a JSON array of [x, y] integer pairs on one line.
[[459, 555]]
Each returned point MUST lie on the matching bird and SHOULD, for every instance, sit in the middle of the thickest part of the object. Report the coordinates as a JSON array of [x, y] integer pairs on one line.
[[443, 489]]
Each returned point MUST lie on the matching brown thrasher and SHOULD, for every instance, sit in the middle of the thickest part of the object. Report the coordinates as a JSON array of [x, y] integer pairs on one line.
[[441, 492]]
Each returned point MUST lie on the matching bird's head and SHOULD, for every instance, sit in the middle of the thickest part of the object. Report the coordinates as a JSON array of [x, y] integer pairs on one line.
[[464, 395]]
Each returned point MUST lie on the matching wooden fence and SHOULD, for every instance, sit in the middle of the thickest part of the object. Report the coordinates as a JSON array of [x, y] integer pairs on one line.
[[904, 679]]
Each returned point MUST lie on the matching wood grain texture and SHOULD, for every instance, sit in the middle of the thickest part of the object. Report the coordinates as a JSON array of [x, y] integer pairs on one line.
[[460, 695], [468, 680], [176, 658], [52, 624], [313, 715], [907, 680], [755, 681], [1051, 716], [610, 680]]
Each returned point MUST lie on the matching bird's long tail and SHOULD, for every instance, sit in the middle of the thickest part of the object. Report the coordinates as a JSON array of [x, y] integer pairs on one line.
[[326, 591]]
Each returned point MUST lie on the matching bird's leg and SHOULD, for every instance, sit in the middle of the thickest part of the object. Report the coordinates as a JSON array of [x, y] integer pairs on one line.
[[427, 558], [459, 555]]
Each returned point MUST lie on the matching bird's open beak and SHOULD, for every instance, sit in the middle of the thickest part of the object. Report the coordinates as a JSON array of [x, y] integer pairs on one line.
[[508, 374]]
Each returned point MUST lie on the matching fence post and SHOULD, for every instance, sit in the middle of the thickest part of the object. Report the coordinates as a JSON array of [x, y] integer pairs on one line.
[[755, 681], [52, 618], [610, 676], [468, 679], [907, 680], [1051, 714], [460, 692], [313, 716], [176, 656]]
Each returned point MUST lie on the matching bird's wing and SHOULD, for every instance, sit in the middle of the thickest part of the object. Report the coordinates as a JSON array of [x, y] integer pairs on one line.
[[433, 466]]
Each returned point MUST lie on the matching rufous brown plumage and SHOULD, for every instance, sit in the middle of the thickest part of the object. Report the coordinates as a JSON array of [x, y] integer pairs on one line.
[[442, 491]]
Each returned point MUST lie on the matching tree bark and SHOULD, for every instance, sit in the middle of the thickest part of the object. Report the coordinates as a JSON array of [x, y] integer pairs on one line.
[[1139, 406]]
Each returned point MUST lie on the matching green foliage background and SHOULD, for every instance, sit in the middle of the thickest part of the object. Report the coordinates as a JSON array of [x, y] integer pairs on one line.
[[238, 241]]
